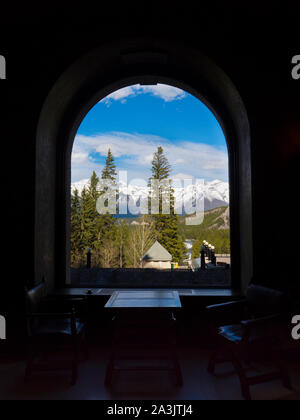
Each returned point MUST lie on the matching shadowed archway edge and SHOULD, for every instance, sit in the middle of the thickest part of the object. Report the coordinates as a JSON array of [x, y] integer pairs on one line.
[[92, 77]]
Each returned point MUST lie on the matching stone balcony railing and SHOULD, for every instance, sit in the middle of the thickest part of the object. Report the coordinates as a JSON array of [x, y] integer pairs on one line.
[[136, 277]]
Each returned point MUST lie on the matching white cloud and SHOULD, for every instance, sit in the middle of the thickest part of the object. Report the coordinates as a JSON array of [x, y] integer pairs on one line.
[[135, 153], [182, 176], [165, 92], [121, 94], [179, 160], [79, 156], [82, 164]]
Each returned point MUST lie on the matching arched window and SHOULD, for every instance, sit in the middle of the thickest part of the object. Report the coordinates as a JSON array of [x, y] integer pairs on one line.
[[92, 78], [134, 134]]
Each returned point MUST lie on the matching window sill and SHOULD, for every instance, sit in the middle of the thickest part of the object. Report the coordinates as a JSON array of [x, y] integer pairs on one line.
[[72, 291]]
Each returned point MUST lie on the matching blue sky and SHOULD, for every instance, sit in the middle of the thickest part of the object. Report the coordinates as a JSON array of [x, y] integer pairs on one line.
[[135, 120]]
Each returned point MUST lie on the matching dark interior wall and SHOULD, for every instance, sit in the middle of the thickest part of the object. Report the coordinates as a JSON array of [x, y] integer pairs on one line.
[[254, 47]]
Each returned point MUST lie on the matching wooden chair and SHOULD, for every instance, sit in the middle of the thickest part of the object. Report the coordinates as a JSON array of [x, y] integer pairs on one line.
[[53, 324], [250, 327]]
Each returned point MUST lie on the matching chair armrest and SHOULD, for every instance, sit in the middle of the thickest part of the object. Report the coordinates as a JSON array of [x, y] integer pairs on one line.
[[65, 305], [62, 302], [227, 313], [260, 321], [64, 298], [226, 305]]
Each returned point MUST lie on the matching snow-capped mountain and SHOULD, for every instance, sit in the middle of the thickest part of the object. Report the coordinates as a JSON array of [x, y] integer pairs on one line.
[[215, 194]]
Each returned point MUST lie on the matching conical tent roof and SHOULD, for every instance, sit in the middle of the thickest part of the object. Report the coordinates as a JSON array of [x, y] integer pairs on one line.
[[157, 253]]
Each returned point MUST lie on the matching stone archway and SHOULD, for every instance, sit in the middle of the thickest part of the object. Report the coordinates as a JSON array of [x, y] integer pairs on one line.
[[91, 78]]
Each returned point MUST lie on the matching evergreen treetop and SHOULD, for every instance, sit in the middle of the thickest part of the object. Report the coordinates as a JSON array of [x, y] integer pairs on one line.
[[160, 165], [93, 186], [109, 170]]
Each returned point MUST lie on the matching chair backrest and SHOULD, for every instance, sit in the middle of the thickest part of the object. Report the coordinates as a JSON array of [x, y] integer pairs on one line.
[[263, 301], [34, 296]]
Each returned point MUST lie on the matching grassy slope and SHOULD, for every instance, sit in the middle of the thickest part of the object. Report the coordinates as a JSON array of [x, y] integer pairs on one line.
[[212, 221], [213, 229]]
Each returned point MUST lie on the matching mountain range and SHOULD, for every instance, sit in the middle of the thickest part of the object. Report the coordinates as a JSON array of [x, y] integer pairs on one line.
[[215, 194]]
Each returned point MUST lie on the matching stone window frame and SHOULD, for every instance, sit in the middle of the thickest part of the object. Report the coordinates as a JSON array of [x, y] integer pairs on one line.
[[91, 78]]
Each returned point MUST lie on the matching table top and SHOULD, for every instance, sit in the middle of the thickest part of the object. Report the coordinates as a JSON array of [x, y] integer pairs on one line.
[[144, 299]]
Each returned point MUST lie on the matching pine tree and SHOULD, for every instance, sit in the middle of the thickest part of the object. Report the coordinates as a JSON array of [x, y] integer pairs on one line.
[[109, 170], [106, 226], [93, 188], [88, 226], [93, 195], [89, 229], [166, 225], [160, 165], [75, 233]]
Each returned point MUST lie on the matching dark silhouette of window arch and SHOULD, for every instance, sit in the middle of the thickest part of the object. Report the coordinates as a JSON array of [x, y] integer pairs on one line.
[[93, 77]]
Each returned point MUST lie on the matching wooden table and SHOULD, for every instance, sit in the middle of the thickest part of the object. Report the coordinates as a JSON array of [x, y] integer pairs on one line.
[[144, 330], [144, 299]]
